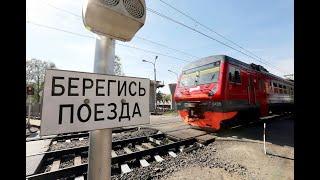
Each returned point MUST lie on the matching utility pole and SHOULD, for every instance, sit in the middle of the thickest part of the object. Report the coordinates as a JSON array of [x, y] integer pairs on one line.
[[155, 81], [174, 73]]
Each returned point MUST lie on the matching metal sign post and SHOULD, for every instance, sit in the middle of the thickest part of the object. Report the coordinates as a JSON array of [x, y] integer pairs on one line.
[[29, 110], [99, 167], [30, 92], [96, 102], [118, 20]]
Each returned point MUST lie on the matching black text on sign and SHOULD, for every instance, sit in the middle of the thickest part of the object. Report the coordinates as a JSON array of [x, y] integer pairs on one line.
[[76, 101]]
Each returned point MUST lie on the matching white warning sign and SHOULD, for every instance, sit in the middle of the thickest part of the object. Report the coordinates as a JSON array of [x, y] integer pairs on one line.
[[77, 101]]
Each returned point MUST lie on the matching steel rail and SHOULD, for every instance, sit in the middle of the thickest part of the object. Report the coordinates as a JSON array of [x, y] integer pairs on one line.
[[79, 170], [78, 135], [74, 150]]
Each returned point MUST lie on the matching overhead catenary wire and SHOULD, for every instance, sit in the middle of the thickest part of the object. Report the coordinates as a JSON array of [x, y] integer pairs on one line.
[[159, 44], [138, 37], [153, 52], [58, 29], [208, 36], [175, 21], [60, 9], [210, 29], [92, 37]]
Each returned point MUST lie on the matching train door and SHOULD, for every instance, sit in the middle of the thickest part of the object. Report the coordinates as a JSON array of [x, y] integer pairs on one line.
[[251, 90]]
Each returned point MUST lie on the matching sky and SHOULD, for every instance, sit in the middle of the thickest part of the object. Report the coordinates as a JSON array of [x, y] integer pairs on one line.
[[265, 28]]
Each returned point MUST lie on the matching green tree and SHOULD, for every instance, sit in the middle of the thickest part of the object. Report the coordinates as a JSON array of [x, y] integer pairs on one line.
[[167, 98], [35, 72], [160, 96], [118, 66]]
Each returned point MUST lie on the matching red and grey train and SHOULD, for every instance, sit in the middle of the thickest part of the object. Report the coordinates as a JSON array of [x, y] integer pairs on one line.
[[216, 91]]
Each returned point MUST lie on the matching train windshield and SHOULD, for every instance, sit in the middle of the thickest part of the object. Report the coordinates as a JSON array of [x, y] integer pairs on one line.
[[200, 75]]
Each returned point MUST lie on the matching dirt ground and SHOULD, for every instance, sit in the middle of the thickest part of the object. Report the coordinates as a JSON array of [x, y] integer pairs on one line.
[[277, 164], [205, 173], [245, 146]]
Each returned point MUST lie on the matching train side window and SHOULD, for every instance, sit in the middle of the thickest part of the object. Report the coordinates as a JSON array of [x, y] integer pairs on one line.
[[275, 87], [270, 88], [234, 75], [237, 76], [231, 72], [285, 89]]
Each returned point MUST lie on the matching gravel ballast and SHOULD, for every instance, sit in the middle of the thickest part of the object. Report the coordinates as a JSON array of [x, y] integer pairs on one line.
[[115, 137], [203, 157]]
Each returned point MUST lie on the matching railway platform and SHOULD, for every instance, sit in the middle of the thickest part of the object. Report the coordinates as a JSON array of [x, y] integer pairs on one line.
[[33, 148]]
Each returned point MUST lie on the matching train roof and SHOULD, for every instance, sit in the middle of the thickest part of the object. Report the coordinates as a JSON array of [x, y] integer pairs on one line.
[[252, 66]]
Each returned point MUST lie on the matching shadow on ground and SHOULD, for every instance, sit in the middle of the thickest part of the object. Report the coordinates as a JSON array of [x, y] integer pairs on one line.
[[278, 131]]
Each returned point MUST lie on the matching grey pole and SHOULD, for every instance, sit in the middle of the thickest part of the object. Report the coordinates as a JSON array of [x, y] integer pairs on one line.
[[264, 138], [174, 73], [155, 86], [99, 167], [155, 81], [29, 110]]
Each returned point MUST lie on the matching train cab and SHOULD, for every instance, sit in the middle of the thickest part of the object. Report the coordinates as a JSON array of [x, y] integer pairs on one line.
[[217, 89], [200, 93]]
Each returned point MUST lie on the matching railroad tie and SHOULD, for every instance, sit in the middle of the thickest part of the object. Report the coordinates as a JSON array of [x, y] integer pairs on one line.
[[54, 142], [155, 140], [148, 145], [55, 165], [125, 168], [79, 178], [143, 162], [81, 139], [127, 150], [140, 148], [151, 139], [158, 158], [68, 141], [181, 148], [113, 154], [77, 160], [171, 153]]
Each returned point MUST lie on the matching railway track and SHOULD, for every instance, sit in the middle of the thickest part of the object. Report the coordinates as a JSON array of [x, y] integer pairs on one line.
[[126, 154], [78, 135], [71, 163]]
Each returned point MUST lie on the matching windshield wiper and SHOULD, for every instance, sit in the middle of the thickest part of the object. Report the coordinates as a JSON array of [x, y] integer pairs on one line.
[[213, 76]]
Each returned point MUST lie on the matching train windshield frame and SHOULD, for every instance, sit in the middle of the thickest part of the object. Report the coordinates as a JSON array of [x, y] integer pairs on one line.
[[205, 74]]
